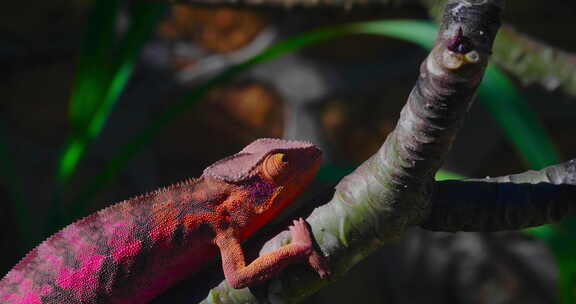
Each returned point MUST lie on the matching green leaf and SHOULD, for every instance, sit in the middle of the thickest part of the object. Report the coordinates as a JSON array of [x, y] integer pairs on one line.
[[517, 119], [446, 175], [93, 66], [105, 66]]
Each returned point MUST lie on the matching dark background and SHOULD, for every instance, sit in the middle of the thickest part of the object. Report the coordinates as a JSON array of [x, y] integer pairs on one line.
[[352, 88]]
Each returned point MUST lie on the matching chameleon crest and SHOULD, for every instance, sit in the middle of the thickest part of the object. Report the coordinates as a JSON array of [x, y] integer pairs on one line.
[[244, 164]]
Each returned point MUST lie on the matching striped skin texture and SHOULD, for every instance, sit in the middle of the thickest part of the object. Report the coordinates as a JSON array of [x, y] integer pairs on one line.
[[134, 250]]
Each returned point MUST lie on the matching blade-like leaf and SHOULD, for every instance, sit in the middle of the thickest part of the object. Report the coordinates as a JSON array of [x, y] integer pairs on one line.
[[517, 119], [93, 66], [105, 67]]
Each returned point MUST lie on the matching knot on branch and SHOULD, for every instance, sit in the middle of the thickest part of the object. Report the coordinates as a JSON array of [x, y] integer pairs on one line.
[[460, 43]]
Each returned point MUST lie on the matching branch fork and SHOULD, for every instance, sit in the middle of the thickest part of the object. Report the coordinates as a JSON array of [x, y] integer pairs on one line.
[[395, 188]]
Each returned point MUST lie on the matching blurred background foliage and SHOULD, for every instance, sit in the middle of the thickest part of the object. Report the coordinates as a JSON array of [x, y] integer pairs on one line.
[[106, 99]]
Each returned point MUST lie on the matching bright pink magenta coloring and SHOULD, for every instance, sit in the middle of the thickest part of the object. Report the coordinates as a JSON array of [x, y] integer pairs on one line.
[[82, 280], [119, 233], [127, 252], [26, 298], [46, 289], [31, 298]]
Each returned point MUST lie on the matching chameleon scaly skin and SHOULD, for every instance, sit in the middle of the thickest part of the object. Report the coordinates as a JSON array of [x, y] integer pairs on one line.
[[134, 250]]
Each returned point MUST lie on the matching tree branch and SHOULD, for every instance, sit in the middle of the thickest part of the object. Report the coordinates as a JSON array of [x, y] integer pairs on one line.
[[534, 61], [529, 60], [392, 189], [509, 202]]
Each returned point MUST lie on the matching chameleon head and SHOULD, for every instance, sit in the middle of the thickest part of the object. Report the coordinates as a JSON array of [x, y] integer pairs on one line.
[[278, 161], [289, 170], [274, 171]]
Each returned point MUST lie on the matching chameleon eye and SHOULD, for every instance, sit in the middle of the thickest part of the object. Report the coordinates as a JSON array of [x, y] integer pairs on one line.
[[275, 166]]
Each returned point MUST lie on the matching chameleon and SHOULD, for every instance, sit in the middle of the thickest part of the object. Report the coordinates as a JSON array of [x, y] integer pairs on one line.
[[134, 250]]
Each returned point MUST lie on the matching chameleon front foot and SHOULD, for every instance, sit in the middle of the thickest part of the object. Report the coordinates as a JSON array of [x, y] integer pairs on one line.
[[301, 236]]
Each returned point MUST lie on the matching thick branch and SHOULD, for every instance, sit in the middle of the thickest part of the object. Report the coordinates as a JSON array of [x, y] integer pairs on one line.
[[509, 202], [392, 189], [415, 150], [534, 61]]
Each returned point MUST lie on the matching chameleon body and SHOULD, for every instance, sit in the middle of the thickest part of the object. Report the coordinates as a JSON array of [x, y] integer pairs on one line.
[[132, 251]]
